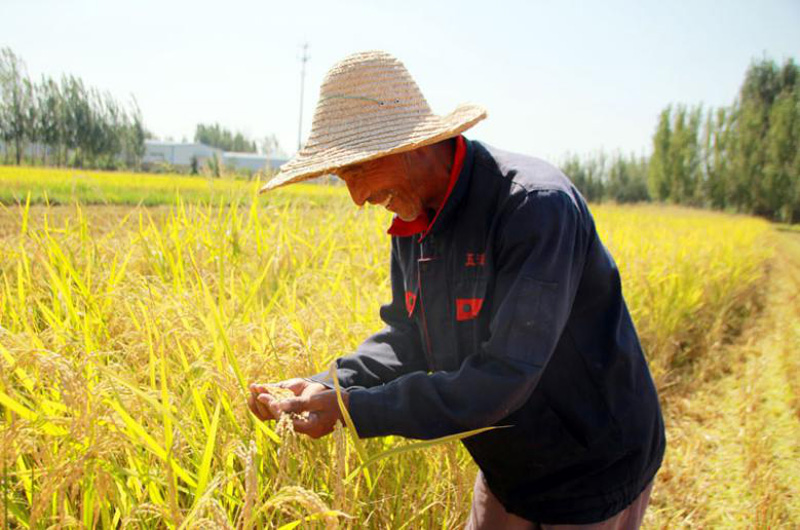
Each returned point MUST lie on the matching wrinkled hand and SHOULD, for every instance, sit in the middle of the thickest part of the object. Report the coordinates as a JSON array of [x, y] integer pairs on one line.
[[314, 398], [322, 408], [263, 399]]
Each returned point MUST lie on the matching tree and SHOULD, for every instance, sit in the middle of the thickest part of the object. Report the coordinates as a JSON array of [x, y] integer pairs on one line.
[[31, 122], [781, 156], [715, 156], [627, 179], [15, 92], [755, 189], [659, 170], [587, 175], [77, 117], [216, 136], [80, 125], [270, 147], [51, 126], [684, 156], [136, 135], [214, 166]]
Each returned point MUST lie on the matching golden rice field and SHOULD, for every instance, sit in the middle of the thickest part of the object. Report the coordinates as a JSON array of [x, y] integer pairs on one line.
[[41, 185], [128, 336]]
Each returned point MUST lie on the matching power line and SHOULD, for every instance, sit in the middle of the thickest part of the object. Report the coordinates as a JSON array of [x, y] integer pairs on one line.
[[303, 61]]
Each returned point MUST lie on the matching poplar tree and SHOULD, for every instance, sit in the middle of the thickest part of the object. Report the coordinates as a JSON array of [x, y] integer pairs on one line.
[[781, 157], [715, 157], [627, 179], [586, 174], [747, 155], [14, 100], [50, 117], [684, 156], [660, 168]]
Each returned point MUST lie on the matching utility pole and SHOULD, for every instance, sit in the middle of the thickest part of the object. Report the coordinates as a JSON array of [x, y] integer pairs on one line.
[[303, 61]]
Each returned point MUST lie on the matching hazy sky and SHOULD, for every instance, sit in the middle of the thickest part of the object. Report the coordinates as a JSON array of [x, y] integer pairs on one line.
[[554, 76]]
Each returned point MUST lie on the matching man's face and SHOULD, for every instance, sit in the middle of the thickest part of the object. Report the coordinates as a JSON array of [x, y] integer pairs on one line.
[[384, 181]]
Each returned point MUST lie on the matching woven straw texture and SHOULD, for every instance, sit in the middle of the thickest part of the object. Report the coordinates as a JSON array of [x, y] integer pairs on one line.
[[369, 106]]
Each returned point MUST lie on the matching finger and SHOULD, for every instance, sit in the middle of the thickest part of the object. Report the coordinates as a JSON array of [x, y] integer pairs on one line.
[[286, 383], [311, 425], [295, 385], [259, 388], [313, 388], [303, 424], [259, 410], [269, 405], [251, 404], [293, 405], [266, 411]]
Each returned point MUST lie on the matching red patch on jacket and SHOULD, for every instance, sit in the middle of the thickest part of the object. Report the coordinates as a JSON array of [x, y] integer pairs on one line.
[[468, 308], [411, 299], [475, 259]]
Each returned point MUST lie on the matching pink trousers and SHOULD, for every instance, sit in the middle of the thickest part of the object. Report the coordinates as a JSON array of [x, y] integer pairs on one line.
[[487, 513]]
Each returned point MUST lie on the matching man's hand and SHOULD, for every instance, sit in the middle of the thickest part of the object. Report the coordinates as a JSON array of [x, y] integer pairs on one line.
[[322, 408], [263, 403]]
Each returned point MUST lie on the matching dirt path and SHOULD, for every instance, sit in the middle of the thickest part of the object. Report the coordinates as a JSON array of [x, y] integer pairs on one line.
[[733, 459]]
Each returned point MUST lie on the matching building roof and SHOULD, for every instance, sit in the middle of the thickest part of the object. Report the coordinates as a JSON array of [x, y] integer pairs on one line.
[[245, 155], [160, 143]]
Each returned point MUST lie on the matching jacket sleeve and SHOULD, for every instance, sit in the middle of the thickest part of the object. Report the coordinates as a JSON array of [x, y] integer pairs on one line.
[[389, 353], [540, 249]]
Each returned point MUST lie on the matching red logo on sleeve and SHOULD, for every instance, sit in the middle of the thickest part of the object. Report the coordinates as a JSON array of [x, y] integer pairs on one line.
[[468, 308]]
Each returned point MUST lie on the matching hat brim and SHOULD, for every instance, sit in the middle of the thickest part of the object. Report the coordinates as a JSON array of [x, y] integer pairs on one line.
[[386, 141]]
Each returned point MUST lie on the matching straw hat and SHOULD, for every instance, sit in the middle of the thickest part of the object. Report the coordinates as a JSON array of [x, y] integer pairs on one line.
[[369, 106]]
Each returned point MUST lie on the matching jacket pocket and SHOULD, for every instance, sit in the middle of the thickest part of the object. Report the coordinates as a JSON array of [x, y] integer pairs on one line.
[[532, 336], [470, 296], [548, 436], [535, 444], [469, 306]]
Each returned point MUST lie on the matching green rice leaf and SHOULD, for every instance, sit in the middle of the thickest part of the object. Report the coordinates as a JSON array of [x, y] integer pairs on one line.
[[205, 466]]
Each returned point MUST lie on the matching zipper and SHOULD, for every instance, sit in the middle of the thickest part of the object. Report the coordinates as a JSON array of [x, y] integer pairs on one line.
[[429, 349]]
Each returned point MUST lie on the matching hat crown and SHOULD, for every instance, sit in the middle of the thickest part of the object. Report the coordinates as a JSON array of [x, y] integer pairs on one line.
[[363, 91], [369, 106]]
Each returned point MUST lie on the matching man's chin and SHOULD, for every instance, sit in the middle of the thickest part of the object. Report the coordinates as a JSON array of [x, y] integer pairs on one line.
[[406, 218], [406, 214]]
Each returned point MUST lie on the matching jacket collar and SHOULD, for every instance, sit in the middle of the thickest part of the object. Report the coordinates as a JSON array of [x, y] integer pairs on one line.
[[459, 182]]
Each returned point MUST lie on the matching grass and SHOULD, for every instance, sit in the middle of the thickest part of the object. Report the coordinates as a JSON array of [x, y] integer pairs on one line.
[[734, 429], [128, 336]]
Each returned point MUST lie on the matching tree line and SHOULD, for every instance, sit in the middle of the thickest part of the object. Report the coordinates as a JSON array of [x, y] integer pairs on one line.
[[64, 122], [215, 135], [742, 158], [602, 177], [221, 138]]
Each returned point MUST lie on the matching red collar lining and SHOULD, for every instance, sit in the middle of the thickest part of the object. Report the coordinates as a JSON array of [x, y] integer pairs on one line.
[[422, 225]]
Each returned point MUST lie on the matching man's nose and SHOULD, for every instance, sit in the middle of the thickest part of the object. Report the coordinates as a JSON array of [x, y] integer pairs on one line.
[[357, 193]]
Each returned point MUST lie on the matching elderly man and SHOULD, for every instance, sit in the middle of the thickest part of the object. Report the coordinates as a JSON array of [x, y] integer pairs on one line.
[[506, 310]]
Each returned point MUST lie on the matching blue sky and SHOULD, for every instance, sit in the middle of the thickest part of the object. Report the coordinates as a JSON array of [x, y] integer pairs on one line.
[[556, 77]]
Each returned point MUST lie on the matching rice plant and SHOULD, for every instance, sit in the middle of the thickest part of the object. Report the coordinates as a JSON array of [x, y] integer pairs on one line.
[[128, 336]]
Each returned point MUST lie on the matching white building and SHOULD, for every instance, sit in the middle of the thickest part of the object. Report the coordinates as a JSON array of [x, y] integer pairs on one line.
[[181, 154], [177, 154], [251, 161]]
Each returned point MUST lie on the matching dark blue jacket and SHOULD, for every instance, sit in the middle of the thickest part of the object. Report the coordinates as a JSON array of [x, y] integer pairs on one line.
[[509, 311]]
